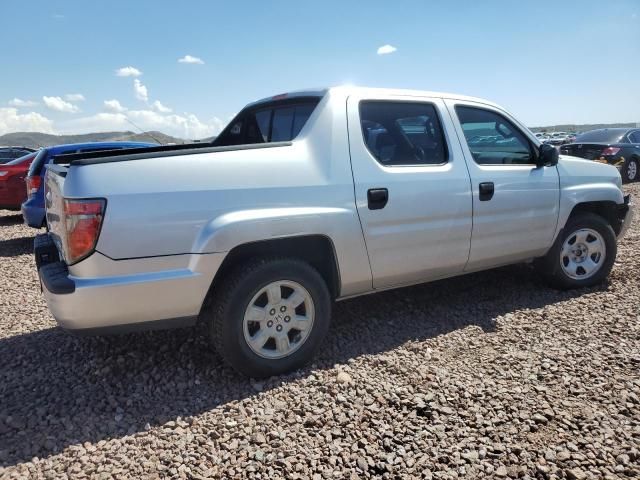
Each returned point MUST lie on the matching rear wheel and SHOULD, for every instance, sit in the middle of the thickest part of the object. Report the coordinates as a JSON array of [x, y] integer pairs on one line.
[[269, 316], [630, 171], [582, 255]]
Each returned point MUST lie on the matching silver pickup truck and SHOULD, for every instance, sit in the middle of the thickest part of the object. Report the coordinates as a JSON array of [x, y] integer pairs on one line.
[[310, 197]]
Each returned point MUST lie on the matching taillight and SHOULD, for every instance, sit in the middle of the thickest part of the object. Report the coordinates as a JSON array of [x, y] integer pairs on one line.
[[610, 151], [83, 219], [33, 184]]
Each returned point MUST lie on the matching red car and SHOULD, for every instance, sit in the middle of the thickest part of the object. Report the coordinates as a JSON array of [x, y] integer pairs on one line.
[[12, 187]]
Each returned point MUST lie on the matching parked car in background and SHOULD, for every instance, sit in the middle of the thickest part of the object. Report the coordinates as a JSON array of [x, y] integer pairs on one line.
[[615, 146], [309, 197], [8, 154], [542, 136], [557, 138], [33, 207], [12, 175], [571, 137]]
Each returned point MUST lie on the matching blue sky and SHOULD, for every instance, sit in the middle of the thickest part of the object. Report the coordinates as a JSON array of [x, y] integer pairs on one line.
[[548, 62]]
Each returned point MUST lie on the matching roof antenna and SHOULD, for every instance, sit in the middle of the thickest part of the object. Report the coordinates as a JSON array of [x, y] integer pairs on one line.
[[142, 131]]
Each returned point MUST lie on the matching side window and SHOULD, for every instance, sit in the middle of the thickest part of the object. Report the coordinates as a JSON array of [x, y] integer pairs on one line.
[[267, 123], [492, 139], [400, 133], [635, 136]]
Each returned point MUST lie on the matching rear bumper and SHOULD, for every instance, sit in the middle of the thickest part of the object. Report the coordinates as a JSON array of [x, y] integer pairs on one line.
[[123, 297], [626, 213], [33, 215]]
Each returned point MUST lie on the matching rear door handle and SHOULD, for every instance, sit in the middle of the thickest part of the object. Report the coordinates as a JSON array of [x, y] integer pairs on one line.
[[486, 191], [377, 198]]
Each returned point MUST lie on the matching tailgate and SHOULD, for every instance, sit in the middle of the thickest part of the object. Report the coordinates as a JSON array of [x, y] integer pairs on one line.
[[54, 203]]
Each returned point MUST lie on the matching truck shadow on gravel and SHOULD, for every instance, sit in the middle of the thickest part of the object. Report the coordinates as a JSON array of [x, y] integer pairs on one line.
[[11, 219], [15, 247], [58, 390]]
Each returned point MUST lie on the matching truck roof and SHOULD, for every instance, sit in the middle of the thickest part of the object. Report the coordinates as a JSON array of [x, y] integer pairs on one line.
[[347, 90]]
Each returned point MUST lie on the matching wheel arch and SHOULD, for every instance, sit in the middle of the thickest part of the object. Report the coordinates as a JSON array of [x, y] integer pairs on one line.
[[316, 249], [606, 209]]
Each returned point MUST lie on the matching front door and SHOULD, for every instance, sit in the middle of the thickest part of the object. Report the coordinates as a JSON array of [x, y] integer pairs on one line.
[[412, 188], [515, 203]]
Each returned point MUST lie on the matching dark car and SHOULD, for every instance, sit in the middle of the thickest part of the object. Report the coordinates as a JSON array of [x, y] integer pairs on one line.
[[616, 146], [8, 154], [33, 208]]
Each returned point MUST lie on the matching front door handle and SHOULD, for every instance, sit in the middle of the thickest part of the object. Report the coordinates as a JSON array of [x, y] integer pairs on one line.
[[486, 191], [377, 198]]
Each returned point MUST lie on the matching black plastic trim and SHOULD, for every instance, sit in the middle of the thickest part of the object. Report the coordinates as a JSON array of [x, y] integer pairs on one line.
[[166, 324], [127, 154], [45, 250], [55, 277]]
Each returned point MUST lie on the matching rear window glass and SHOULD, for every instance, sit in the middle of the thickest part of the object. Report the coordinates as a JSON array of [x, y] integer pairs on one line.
[[18, 161], [275, 122], [600, 136]]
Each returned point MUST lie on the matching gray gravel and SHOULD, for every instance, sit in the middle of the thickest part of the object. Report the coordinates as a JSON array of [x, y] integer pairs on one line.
[[489, 375]]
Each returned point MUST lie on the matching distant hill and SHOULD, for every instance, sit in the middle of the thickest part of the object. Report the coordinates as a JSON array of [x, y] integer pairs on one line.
[[582, 128], [36, 139]]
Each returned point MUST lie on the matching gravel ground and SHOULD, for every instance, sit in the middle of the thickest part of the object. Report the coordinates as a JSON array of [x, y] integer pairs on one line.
[[488, 375]]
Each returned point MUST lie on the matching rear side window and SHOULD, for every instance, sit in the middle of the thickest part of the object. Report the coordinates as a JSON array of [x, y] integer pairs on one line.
[[275, 122], [634, 137], [403, 133], [493, 139]]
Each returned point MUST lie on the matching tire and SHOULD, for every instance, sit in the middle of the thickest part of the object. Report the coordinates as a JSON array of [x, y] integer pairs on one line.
[[584, 230], [630, 171], [231, 324]]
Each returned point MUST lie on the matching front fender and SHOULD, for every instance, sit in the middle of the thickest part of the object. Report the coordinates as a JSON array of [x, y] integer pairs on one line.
[[584, 181]]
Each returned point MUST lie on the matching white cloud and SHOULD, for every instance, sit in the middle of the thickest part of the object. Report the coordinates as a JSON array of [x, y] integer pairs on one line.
[[386, 49], [191, 59], [186, 126], [58, 16], [128, 72], [59, 105], [12, 121], [141, 90], [74, 97], [18, 102], [114, 106], [159, 107]]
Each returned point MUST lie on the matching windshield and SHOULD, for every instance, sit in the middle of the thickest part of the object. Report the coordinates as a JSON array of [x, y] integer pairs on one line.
[[271, 122], [601, 136]]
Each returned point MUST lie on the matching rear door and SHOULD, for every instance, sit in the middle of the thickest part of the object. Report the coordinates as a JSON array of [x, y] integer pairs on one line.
[[515, 203], [412, 188]]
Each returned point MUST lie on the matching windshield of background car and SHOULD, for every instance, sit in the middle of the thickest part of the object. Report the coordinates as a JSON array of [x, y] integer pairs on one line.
[[600, 136], [271, 122]]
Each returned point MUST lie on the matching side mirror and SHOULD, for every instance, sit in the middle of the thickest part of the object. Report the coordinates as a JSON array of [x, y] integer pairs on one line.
[[547, 156]]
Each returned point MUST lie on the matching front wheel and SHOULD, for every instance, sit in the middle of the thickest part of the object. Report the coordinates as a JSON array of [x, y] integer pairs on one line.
[[582, 255], [269, 316]]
